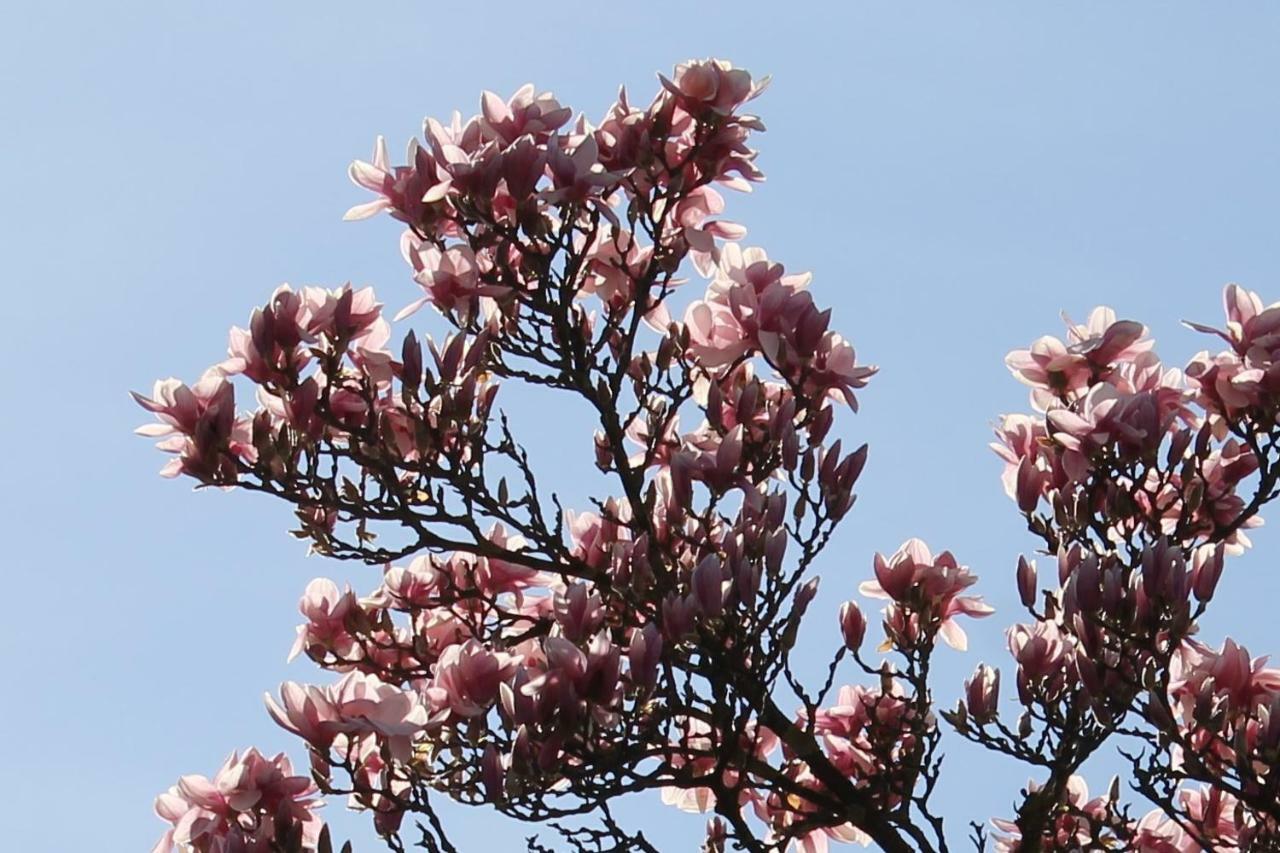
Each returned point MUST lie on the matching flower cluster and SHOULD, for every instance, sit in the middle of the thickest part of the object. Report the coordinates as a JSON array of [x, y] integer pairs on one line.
[[925, 595], [542, 661], [1142, 480], [1242, 381], [253, 804]]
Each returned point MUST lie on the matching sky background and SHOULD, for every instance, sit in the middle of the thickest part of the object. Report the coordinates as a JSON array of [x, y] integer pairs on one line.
[[955, 175]]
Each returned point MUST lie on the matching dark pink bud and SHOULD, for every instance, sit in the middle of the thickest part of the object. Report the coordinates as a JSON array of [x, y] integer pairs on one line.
[[578, 610], [411, 362], [491, 773], [715, 404], [1087, 584], [853, 625], [805, 594], [851, 468], [982, 694], [827, 471], [790, 448], [821, 424], [1178, 446], [747, 579], [708, 587], [644, 654], [681, 483], [1208, 571], [1090, 682], [1113, 588], [729, 453], [677, 617], [775, 549], [549, 752], [1027, 581], [894, 577], [746, 407], [1271, 733], [1028, 486]]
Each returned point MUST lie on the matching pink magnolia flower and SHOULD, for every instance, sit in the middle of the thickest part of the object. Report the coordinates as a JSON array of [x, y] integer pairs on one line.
[[1250, 325], [269, 350], [833, 370], [1247, 376], [359, 703], [712, 84], [864, 729], [342, 313], [695, 751], [593, 538], [326, 611], [415, 194], [237, 811], [716, 337], [1043, 653], [853, 625], [1069, 829], [577, 175], [692, 218], [451, 281], [1060, 372], [199, 424], [982, 693], [1217, 816], [1105, 418], [925, 592], [753, 306], [1232, 680], [467, 677], [527, 112]]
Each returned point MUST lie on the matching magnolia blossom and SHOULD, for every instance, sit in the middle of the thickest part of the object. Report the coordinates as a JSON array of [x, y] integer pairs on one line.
[[451, 282], [326, 611], [467, 677], [1060, 372], [240, 808], [358, 704], [925, 591], [199, 424], [1042, 652], [1246, 377], [1069, 828], [756, 742]]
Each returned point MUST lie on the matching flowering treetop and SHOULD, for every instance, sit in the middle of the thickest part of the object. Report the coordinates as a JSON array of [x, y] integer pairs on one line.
[[545, 661]]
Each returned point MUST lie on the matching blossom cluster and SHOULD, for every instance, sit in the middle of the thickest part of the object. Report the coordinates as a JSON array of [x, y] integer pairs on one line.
[[1143, 481], [253, 804], [542, 661]]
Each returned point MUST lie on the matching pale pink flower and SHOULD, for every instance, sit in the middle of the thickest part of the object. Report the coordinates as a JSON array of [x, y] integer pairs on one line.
[[199, 424], [927, 587], [451, 281], [711, 84], [359, 703], [467, 677], [415, 193], [237, 811], [527, 112], [326, 610]]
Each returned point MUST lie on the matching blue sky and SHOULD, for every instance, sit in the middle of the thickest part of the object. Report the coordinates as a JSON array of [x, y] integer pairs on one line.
[[953, 174]]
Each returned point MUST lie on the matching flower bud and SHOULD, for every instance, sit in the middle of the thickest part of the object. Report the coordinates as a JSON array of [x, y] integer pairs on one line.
[[1027, 581], [1207, 571], [853, 625], [982, 694], [491, 773]]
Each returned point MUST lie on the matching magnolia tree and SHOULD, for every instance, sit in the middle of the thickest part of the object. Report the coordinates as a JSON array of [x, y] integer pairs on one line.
[[542, 661]]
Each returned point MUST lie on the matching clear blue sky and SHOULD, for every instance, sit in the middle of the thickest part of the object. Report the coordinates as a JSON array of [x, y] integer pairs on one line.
[[954, 175]]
